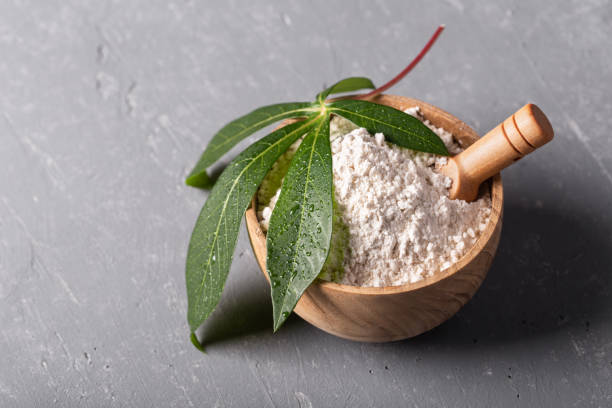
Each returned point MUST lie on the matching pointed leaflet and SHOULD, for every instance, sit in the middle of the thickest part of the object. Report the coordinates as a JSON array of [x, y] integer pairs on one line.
[[398, 127], [237, 130], [214, 236], [346, 85], [301, 223]]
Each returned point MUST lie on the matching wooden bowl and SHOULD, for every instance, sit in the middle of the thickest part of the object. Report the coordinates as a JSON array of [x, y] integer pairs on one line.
[[392, 313]]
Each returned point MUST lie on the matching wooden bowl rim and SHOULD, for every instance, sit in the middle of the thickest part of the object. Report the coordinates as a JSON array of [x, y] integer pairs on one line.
[[497, 198]]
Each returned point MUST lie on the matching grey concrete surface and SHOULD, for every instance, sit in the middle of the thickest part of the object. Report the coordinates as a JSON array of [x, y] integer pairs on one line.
[[105, 105]]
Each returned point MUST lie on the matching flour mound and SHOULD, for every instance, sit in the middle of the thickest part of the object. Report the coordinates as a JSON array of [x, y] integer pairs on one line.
[[401, 226]]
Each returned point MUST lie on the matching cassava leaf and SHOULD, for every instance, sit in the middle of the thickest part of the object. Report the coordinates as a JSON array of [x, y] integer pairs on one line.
[[346, 85], [300, 230], [398, 127], [214, 236], [238, 129]]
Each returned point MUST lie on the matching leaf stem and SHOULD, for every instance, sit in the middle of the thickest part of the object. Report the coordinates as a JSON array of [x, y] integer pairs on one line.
[[196, 342], [409, 68]]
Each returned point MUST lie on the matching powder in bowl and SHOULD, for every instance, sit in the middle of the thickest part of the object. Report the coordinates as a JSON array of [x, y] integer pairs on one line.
[[393, 221]]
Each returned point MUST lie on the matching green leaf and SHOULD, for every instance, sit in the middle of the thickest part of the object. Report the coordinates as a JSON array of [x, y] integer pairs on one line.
[[214, 236], [301, 224], [237, 130], [398, 127], [346, 85]]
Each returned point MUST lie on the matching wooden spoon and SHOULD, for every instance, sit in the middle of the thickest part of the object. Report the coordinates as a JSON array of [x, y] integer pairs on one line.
[[515, 137]]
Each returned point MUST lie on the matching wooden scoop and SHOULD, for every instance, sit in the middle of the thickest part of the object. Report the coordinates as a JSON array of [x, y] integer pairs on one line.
[[520, 134]]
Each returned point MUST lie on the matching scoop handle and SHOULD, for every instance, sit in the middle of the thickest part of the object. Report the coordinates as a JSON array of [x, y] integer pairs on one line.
[[518, 135]]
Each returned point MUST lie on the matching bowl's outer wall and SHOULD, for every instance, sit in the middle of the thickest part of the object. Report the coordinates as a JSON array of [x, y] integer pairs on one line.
[[395, 313]]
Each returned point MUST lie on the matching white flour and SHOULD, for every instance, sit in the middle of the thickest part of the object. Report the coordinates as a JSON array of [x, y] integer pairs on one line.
[[394, 223]]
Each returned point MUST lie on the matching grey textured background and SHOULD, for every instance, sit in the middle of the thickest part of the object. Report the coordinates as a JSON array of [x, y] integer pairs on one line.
[[106, 105]]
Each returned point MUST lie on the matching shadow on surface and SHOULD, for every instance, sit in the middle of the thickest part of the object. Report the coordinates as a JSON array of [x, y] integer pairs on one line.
[[247, 310], [250, 313], [551, 272]]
